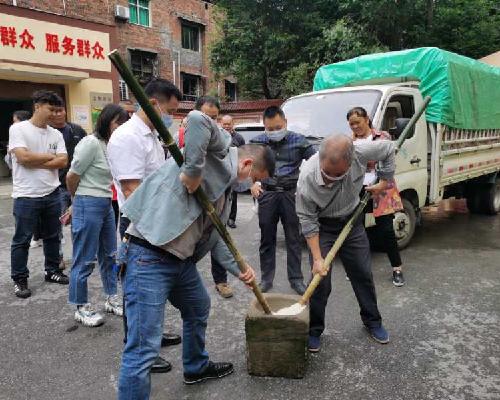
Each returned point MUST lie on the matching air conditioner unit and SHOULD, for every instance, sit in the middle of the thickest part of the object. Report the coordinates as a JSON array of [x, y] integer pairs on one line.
[[122, 13]]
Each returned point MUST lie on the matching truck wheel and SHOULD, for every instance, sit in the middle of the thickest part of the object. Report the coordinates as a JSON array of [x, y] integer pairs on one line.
[[404, 224], [491, 197]]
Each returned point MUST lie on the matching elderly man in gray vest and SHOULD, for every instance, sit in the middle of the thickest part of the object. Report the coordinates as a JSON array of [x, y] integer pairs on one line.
[[168, 234], [327, 194]]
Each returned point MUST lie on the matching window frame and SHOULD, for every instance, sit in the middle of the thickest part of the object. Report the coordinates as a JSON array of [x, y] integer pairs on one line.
[[143, 54], [233, 84], [191, 27], [407, 110], [136, 4], [191, 97]]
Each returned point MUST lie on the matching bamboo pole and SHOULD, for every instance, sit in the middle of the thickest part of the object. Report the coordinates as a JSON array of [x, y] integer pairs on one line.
[[335, 248], [359, 209], [200, 195]]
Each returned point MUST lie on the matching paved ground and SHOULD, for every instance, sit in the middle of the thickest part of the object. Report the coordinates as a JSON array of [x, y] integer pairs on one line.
[[443, 324]]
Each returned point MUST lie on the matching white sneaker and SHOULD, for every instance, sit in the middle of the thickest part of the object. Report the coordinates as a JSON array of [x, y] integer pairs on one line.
[[88, 316], [113, 305], [35, 243]]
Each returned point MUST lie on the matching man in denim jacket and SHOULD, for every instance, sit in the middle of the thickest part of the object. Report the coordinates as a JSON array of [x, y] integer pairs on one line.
[[169, 232]]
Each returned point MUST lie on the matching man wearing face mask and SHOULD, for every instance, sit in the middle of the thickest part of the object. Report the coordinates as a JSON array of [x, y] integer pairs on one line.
[[327, 195], [169, 233], [135, 152], [276, 197]]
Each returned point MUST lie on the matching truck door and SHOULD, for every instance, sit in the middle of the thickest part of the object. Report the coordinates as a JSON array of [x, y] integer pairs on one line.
[[411, 161]]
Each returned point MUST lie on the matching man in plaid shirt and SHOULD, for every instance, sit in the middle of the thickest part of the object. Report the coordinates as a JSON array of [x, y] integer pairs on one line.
[[276, 197]]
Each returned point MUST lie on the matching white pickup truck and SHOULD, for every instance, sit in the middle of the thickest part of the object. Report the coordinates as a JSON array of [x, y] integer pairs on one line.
[[437, 161]]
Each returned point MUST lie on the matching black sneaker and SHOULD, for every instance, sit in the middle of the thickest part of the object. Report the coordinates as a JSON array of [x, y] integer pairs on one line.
[[21, 289], [231, 224], [398, 278], [161, 366], [213, 371], [56, 277], [170, 339]]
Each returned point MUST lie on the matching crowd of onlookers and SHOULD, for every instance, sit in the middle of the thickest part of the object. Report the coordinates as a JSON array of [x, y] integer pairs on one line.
[[94, 183], [62, 176]]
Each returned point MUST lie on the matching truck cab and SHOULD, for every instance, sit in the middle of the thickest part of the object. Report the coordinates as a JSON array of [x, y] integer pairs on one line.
[[322, 113]]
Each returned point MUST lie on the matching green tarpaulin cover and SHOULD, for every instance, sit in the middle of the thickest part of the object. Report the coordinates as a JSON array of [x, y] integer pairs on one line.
[[465, 92]]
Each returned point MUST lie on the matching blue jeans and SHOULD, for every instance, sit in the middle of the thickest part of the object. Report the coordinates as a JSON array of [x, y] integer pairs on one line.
[[150, 279], [29, 213], [93, 231]]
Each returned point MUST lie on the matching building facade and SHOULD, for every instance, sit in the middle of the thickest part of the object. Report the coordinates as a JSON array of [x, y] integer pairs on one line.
[[62, 45]]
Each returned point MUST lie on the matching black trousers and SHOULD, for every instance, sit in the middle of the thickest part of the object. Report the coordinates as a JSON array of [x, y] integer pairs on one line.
[[383, 238], [234, 206], [219, 273], [116, 210], [273, 207], [355, 255], [124, 223]]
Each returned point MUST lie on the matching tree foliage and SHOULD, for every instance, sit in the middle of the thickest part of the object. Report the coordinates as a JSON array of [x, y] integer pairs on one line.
[[274, 47]]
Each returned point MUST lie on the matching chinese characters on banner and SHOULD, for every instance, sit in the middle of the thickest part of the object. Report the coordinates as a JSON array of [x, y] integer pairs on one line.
[[54, 43]]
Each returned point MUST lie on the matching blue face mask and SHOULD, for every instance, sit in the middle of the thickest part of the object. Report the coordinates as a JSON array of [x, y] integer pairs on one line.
[[277, 136], [167, 119]]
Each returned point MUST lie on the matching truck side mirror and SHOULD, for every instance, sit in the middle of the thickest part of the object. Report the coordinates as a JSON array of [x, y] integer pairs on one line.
[[397, 130]]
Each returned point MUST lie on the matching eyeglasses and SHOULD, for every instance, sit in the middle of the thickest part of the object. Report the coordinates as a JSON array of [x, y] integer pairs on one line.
[[333, 178]]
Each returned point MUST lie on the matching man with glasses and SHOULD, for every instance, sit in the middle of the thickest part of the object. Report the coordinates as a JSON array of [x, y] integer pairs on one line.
[[327, 195]]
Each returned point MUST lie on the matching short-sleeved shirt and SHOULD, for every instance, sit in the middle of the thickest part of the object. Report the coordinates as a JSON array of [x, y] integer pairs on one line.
[[34, 182], [90, 163], [134, 152]]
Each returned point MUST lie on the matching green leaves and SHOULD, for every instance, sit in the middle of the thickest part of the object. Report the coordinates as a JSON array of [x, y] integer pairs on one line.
[[274, 47]]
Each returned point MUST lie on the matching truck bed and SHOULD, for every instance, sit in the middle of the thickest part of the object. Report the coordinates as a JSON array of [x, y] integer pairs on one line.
[[467, 154]]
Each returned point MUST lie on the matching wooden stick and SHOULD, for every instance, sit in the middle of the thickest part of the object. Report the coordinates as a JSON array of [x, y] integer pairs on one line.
[[200, 195], [362, 204]]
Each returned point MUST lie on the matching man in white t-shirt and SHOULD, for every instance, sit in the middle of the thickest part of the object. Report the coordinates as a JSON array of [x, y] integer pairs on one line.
[[135, 152], [38, 152]]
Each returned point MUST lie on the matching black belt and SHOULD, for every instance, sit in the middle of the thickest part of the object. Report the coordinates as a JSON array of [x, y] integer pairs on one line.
[[149, 246], [339, 221], [276, 188]]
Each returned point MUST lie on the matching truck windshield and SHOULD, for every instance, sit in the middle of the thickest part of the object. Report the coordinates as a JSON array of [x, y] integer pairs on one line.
[[320, 115]]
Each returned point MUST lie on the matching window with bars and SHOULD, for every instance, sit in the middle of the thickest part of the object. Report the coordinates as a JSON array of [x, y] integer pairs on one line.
[[123, 91], [190, 37], [139, 12], [191, 87], [143, 64]]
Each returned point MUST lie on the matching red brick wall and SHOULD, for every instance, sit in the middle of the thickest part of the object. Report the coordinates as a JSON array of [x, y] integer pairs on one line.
[[163, 37], [87, 10]]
